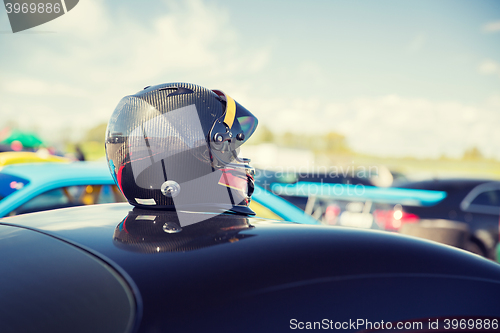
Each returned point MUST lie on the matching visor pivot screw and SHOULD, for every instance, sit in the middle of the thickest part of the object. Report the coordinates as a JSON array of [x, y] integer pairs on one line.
[[240, 137], [218, 138], [170, 189]]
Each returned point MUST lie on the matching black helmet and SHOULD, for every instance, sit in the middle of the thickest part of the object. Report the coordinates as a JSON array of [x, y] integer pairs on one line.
[[175, 146]]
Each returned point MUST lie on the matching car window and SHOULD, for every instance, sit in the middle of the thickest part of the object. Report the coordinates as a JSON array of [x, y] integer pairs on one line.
[[111, 193], [48, 200], [488, 198], [95, 194]]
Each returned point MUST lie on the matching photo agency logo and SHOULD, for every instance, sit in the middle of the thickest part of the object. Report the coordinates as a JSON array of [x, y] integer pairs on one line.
[[28, 14]]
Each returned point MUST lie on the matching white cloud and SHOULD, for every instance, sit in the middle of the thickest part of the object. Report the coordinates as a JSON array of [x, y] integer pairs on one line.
[[417, 43], [73, 79], [491, 27], [86, 21], [76, 76], [494, 101], [28, 86], [489, 67], [392, 125]]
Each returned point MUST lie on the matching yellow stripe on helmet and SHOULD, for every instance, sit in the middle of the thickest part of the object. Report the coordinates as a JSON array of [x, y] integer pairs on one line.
[[230, 111]]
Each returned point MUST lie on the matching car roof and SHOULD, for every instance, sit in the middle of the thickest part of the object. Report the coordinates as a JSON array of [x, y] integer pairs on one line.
[[445, 184], [60, 172], [232, 265], [16, 157]]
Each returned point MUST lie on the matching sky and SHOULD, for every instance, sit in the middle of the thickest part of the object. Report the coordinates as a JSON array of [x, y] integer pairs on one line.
[[397, 78]]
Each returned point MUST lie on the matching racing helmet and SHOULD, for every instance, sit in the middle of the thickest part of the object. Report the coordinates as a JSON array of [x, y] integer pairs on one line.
[[175, 146]]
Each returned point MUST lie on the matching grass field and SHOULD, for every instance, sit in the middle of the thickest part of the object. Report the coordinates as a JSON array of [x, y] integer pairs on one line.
[[428, 168]]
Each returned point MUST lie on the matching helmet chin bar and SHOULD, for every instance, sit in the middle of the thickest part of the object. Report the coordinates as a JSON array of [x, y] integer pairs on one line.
[[241, 163], [225, 151], [240, 159]]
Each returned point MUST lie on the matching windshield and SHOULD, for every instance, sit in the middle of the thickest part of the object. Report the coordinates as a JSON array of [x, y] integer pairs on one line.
[[10, 184]]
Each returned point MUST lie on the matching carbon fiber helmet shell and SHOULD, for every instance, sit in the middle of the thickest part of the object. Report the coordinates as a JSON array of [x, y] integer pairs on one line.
[[175, 146]]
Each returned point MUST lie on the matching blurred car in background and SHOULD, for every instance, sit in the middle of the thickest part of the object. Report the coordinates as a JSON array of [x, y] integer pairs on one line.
[[268, 205], [379, 177], [465, 210], [266, 178], [27, 188], [5, 147], [302, 202], [352, 205], [16, 157], [473, 202]]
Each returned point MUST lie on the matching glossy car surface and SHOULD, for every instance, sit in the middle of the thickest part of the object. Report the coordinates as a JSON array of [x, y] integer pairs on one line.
[[229, 273]]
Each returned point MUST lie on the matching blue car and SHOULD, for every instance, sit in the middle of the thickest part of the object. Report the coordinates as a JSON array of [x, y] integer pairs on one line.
[[27, 188]]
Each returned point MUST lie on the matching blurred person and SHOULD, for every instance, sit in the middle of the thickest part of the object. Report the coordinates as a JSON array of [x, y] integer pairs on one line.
[[16, 145], [79, 153]]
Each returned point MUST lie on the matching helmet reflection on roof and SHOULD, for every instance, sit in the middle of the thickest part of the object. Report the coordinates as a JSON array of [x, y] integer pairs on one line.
[[155, 231], [175, 146]]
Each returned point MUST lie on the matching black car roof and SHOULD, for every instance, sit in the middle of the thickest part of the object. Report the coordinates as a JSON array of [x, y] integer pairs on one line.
[[254, 274]]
